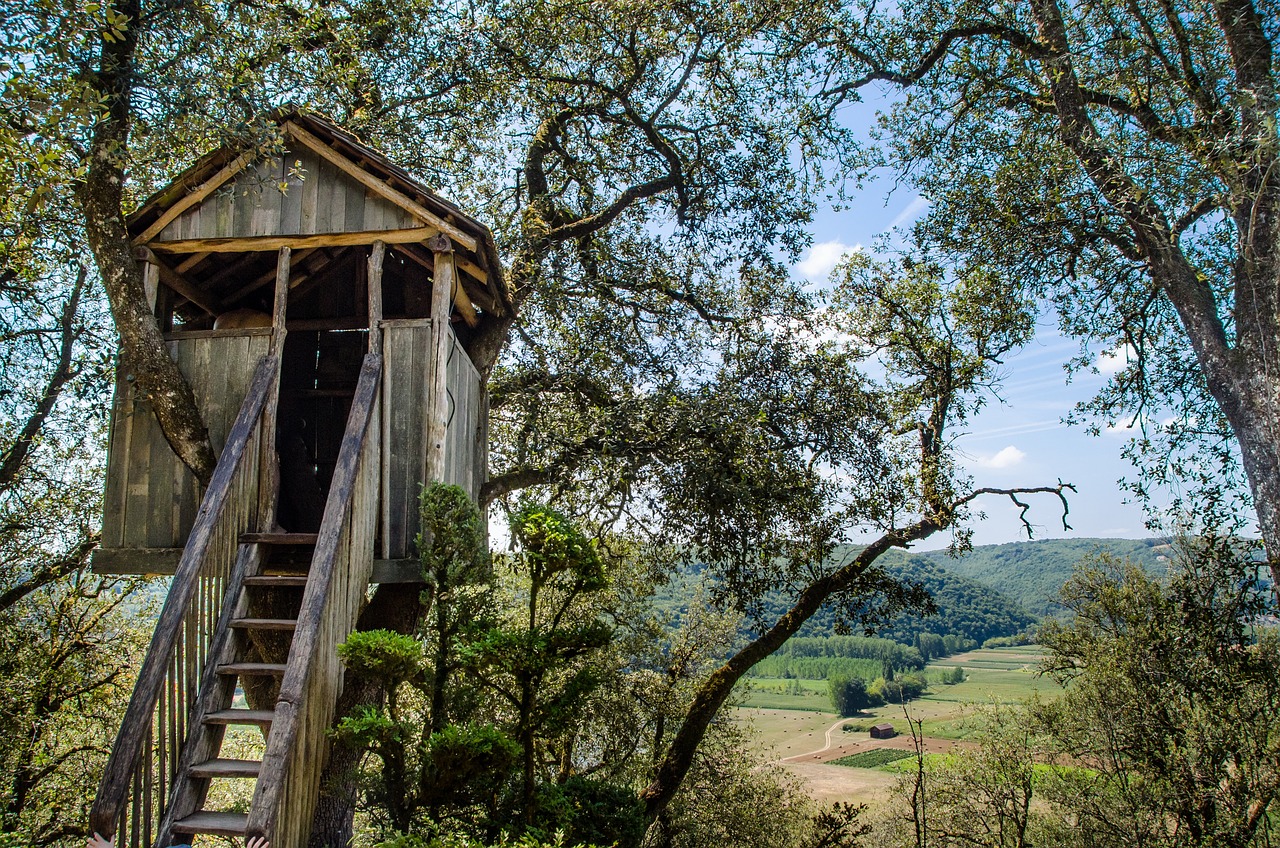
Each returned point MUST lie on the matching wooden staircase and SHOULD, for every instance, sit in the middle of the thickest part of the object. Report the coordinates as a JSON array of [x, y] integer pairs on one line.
[[269, 580], [241, 593]]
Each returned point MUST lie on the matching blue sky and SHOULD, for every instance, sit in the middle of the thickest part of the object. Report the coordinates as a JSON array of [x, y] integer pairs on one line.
[[1021, 442]]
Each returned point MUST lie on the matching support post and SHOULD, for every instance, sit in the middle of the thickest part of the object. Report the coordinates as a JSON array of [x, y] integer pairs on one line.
[[375, 296], [269, 461], [443, 280]]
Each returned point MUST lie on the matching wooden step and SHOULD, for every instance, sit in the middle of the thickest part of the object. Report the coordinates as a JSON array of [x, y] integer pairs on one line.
[[264, 623], [226, 768], [280, 538], [262, 718], [219, 824], [252, 669], [299, 580]]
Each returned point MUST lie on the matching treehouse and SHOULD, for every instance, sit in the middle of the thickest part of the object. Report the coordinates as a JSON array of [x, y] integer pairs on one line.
[[320, 303]]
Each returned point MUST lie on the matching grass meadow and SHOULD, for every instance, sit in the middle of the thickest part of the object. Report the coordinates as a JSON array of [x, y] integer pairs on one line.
[[1000, 675]]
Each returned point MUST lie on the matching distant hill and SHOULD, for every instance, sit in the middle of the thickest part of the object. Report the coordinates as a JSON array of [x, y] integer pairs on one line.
[[1028, 576], [1031, 573], [966, 607]]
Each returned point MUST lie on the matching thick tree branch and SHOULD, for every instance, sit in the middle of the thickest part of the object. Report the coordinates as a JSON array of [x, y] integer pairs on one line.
[[946, 39]]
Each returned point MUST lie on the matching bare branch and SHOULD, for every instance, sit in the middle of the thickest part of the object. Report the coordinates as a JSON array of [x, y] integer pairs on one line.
[[64, 371]]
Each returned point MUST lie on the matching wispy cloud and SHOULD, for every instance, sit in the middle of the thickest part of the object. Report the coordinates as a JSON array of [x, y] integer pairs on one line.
[[1015, 430], [913, 210], [1007, 457], [822, 257]]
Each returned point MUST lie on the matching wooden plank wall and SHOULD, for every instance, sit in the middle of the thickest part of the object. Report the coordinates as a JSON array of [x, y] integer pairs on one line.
[[151, 498], [316, 198], [406, 346]]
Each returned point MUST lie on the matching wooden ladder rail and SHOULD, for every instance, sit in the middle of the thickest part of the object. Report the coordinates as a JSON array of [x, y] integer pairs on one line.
[[289, 778], [157, 717]]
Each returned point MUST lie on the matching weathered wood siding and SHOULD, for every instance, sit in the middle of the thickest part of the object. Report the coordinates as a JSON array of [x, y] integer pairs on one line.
[[406, 347], [316, 198], [151, 497]]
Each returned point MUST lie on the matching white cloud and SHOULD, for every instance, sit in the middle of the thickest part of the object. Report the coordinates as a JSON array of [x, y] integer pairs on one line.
[[1007, 457], [1114, 360], [822, 257], [913, 210]]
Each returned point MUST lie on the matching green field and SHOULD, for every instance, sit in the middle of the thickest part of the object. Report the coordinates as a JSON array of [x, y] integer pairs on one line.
[[872, 759], [1000, 675]]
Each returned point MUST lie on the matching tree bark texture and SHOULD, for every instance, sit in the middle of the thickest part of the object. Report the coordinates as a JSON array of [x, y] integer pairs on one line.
[[1242, 373], [101, 197]]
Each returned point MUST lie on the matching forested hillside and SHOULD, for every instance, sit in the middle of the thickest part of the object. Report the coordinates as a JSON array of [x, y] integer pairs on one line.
[[1031, 573]]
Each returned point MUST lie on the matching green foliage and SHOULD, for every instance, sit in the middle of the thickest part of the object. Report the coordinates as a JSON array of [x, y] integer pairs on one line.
[[874, 758], [966, 609], [392, 658], [452, 534], [849, 695], [898, 690], [815, 668], [1164, 736], [552, 544], [462, 840], [1032, 573], [592, 811]]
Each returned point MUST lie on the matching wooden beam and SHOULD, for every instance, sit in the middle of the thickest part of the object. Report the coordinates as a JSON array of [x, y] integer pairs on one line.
[[178, 283], [377, 186], [261, 281], [280, 301], [190, 262], [474, 296], [198, 194], [251, 244], [151, 284], [438, 414], [375, 296]]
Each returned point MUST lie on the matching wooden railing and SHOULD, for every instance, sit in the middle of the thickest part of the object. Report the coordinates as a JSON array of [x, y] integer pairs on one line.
[[289, 779], [139, 775]]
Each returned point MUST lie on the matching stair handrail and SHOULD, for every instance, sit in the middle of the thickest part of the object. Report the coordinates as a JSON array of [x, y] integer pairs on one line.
[[113, 790], [358, 461]]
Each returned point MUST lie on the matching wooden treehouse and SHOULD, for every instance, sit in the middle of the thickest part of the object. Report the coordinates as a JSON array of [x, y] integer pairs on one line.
[[320, 303]]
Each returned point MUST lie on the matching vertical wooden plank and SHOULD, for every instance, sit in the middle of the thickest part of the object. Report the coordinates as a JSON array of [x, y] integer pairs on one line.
[[384, 427], [243, 203], [223, 201], [356, 204], [376, 255], [338, 203], [113, 501], [441, 300], [266, 212], [137, 507], [310, 185], [291, 201]]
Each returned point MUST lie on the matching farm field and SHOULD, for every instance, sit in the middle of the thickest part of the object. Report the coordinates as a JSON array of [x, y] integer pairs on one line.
[[793, 723]]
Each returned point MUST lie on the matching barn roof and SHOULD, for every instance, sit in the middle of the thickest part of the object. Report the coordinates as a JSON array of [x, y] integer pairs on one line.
[[190, 225]]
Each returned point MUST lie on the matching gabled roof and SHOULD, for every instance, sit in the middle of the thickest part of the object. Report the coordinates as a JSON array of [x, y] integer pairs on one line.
[[407, 212]]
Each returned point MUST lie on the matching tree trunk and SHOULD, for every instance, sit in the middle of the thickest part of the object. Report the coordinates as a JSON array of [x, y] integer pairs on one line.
[[101, 198], [393, 607]]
